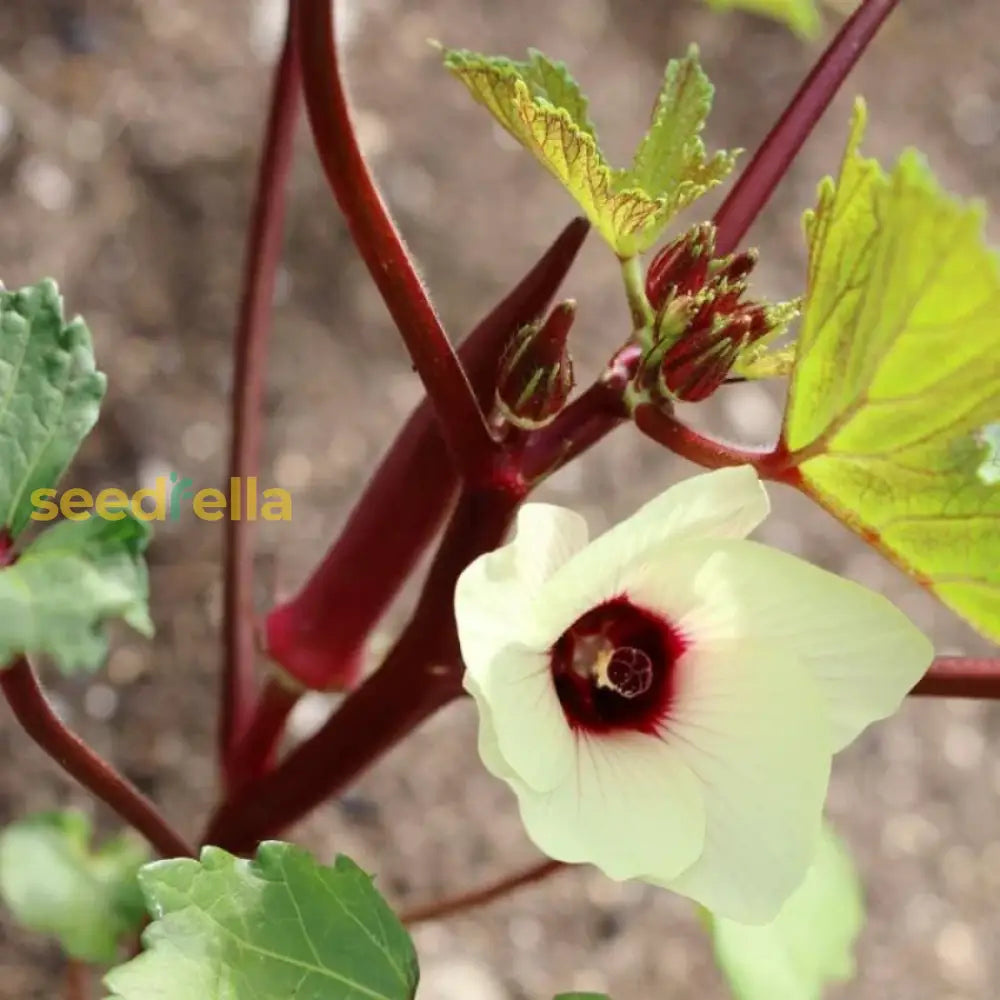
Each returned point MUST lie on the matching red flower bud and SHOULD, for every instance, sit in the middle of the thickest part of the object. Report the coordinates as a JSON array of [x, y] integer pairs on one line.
[[702, 322], [697, 364], [536, 371], [681, 267]]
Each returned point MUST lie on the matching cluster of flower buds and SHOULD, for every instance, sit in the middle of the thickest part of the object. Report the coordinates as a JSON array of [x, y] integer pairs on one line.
[[536, 371], [702, 323]]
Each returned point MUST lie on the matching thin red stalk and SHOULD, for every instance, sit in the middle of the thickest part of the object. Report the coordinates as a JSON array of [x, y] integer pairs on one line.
[[709, 452], [256, 751], [961, 677], [593, 414], [318, 635], [263, 252], [782, 144], [448, 907], [420, 674], [33, 711], [381, 246], [77, 980]]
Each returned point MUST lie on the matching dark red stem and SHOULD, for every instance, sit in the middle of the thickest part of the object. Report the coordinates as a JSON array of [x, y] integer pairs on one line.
[[381, 246], [77, 980], [708, 452], [961, 677], [421, 673], [33, 711], [593, 414], [263, 252], [480, 897], [782, 144], [317, 636], [256, 752]]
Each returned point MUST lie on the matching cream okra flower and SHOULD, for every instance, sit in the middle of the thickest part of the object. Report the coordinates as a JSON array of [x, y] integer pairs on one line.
[[666, 699]]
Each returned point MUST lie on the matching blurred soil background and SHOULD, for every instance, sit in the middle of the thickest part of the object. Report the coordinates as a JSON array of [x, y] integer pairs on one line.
[[128, 141]]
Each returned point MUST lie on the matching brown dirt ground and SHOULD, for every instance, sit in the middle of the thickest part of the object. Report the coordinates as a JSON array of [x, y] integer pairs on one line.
[[127, 146]]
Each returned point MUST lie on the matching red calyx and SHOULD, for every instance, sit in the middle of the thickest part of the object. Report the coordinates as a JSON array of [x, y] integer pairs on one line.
[[702, 294], [681, 267], [536, 371]]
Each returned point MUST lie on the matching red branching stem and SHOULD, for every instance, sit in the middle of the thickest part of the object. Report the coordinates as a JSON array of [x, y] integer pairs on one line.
[[317, 636], [33, 711], [421, 673], [256, 752], [709, 452], [594, 413], [263, 252], [442, 908], [961, 677], [782, 144], [77, 980], [381, 246]]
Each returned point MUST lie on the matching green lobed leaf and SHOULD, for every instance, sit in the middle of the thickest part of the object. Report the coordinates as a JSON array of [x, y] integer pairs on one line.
[[802, 16], [551, 80], [54, 882], [72, 579], [50, 394], [671, 161], [808, 945], [898, 374], [540, 104], [277, 927]]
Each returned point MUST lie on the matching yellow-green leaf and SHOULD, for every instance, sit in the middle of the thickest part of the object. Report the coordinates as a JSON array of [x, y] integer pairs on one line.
[[802, 16], [671, 162], [898, 375], [539, 103], [552, 81]]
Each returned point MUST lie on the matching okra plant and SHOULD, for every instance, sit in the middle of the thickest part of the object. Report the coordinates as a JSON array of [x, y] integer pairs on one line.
[[665, 701]]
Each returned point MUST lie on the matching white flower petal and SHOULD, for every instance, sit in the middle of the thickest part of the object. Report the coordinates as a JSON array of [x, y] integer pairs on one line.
[[631, 807], [809, 944], [531, 730], [750, 723], [489, 748], [864, 653], [495, 595], [725, 504]]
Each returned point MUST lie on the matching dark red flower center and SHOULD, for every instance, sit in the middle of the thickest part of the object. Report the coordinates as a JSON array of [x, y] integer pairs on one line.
[[613, 668]]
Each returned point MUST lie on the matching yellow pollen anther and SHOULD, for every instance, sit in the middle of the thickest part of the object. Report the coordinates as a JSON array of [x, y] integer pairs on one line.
[[599, 668]]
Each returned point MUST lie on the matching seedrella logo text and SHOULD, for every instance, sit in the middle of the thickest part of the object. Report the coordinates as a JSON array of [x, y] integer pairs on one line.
[[164, 501]]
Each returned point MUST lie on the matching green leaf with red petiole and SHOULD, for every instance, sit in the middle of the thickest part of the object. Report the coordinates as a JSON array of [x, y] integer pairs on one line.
[[896, 389]]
